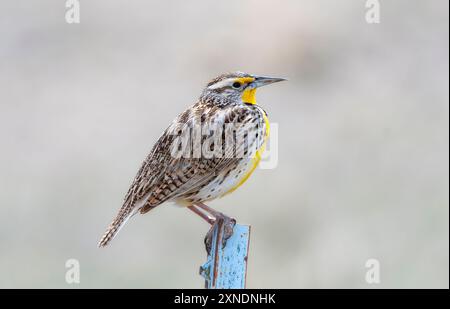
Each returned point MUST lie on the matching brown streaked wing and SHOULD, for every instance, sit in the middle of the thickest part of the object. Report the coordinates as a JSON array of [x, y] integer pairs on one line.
[[178, 176]]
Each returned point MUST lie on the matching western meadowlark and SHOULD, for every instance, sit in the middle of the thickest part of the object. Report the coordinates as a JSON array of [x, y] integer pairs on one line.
[[218, 165]]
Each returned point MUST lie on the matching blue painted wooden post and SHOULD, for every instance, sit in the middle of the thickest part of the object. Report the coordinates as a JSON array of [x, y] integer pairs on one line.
[[226, 268]]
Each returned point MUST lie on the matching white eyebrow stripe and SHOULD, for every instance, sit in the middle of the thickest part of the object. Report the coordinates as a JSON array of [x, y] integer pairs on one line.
[[222, 83]]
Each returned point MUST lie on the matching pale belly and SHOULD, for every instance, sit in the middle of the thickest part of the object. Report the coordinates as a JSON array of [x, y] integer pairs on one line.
[[224, 184]]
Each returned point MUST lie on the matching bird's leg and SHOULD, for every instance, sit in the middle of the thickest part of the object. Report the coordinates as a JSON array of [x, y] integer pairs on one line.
[[208, 209], [219, 218], [202, 215], [210, 220]]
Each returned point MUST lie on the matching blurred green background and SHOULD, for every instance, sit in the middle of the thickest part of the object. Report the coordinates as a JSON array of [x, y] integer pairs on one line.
[[363, 139]]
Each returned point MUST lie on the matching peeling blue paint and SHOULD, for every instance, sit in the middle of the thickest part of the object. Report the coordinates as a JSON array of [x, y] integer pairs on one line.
[[230, 262]]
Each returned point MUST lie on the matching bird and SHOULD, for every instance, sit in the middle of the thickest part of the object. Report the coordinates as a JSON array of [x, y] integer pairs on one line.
[[224, 135]]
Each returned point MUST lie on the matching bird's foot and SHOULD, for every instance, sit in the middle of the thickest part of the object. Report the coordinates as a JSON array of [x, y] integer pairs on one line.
[[225, 226], [208, 239], [228, 226]]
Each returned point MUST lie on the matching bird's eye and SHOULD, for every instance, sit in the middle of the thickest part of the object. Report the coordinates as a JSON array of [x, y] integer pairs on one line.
[[236, 85]]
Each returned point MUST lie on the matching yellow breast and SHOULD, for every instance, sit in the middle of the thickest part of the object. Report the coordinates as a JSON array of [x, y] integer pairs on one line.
[[255, 160]]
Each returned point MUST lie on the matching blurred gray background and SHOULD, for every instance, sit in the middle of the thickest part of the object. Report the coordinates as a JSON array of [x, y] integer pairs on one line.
[[363, 139]]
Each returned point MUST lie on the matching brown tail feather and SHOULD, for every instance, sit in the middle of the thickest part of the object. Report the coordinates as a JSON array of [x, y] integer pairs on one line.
[[124, 214]]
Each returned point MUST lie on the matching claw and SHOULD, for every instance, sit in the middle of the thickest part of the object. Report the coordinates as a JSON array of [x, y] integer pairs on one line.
[[226, 224], [208, 239]]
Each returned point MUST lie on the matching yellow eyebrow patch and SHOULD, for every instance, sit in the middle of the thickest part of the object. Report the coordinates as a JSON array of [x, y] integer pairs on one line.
[[245, 80]]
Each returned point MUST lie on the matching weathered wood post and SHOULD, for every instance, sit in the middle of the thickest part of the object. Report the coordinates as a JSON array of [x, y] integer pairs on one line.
[[226, 266]]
